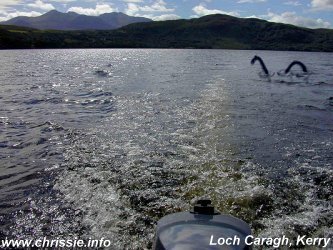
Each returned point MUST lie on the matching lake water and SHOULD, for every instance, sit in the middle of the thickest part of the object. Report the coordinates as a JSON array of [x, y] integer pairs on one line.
[[103, 143]]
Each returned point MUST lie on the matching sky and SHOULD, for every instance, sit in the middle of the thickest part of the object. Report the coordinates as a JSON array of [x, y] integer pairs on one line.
[[306, 13]]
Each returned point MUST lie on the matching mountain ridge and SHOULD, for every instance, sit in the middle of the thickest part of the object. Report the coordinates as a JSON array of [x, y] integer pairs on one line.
[[56, 20], [208, 32]]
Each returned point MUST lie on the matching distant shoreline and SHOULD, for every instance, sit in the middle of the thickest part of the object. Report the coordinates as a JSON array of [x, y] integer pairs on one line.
[[208, 32], [262, 50]]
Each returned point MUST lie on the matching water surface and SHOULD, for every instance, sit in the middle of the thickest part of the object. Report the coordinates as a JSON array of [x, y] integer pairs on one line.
[[103, 143]]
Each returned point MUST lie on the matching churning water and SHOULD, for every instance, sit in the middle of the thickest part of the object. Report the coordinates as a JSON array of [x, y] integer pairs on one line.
[[103, 143]]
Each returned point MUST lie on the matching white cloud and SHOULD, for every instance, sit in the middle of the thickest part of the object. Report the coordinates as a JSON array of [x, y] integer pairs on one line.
[[293, 3], [132, 9], [201, 10], [322, 4], [292, 18], [157, 6], [38, 4], [253, 16], [251, 1], [166, 17], [5, 3], [99, 9], [162, 17], [133, 1], [2, 15], [62, 1]]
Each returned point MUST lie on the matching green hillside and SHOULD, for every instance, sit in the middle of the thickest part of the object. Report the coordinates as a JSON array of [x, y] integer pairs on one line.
[[211, 32]]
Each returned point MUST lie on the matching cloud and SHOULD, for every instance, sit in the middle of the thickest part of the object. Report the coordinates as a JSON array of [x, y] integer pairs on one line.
[[132, 9], [3, 15], [253, 16], [292, 18], [5, 3], [293, 3], [159, 6], [201, 10], [63, 1], [41, 5], [9, 15], [322, 4], [133, 1], [99, 9], [166, 17], [162, 17], [251, 1]]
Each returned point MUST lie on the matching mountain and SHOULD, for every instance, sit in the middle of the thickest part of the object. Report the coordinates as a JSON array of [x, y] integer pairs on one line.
[[208, 32], [55, 20], [119, 19], [226, 32]]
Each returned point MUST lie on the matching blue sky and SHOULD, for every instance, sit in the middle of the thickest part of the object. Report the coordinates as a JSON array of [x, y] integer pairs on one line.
[[307, 13]]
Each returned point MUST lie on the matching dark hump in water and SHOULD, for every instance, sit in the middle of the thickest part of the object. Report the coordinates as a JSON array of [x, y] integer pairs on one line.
[[330, 101], [262, 64], [303, 67]]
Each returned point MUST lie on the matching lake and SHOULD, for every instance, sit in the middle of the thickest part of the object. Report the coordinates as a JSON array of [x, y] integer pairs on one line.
[[103, 143]]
